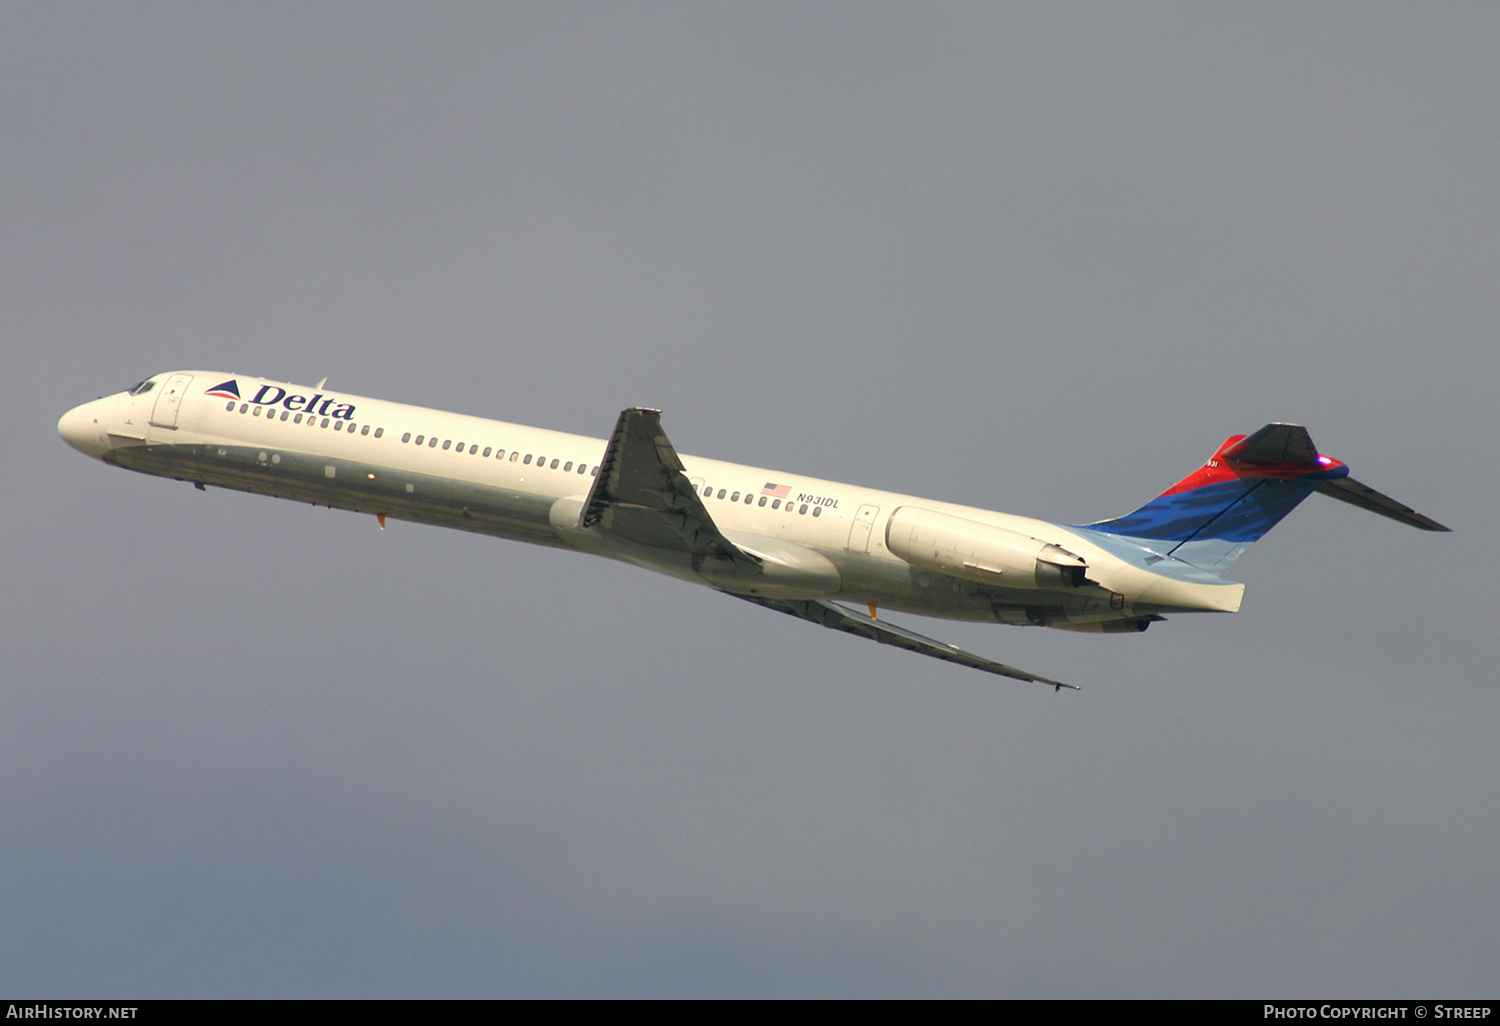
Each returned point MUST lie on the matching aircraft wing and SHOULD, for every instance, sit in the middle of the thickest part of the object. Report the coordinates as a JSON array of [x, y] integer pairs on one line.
[[643, 495], [1346, 489], [840, 618]]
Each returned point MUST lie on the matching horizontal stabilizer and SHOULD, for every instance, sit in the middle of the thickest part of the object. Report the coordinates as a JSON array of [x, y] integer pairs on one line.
[[1348, 490], [1275, 444], [837, 617]]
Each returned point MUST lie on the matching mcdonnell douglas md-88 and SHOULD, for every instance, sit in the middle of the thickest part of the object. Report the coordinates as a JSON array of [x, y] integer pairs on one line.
[[780, 540]]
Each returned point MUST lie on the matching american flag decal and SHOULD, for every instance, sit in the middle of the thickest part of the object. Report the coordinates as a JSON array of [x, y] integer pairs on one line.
[[776, 491]]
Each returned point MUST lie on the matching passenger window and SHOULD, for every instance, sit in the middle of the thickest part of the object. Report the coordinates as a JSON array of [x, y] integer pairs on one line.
[[499, 454], [230, 408], [244, 407], [379, 432], [486, 453], [775, 503], [364, 431], [527, 460], [284, 414], [432, 442], [803, 510], [256, 413], [554, 464], [721, 493], [749, 498], [568, 467], [513, 456], [735, 497], [817, 511], [419, 439], [297, 419], [582, 468], [708, 493], [474, 448], [447, 442], [595, 472], [325, 421], [406, 437], [762, 501], [338, 425]]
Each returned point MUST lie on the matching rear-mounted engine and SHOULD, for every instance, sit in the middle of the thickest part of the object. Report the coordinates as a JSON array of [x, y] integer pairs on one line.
[[981, 552]]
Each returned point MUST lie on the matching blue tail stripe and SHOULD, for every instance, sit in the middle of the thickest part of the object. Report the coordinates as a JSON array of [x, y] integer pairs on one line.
[[1210, 526], [1179, 516], [1261, 509]]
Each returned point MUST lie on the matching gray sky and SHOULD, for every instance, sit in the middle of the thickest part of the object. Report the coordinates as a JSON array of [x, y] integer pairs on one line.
[[1038, 258]]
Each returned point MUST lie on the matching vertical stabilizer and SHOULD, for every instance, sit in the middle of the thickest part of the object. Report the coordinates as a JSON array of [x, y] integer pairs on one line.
[[1215, 513]]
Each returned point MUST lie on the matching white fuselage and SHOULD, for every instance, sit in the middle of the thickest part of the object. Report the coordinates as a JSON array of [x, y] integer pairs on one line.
[[529, 484]]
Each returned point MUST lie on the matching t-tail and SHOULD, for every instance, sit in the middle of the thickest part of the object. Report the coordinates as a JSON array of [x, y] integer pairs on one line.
[[1211, 516]]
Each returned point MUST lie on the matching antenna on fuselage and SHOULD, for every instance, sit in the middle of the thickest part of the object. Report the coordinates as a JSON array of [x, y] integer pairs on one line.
[[321, 383]]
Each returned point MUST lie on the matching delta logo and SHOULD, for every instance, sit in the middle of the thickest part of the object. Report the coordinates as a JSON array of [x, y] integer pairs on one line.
[[274, 395]]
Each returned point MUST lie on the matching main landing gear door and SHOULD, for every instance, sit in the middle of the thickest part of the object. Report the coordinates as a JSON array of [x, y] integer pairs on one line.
[[164, 413]]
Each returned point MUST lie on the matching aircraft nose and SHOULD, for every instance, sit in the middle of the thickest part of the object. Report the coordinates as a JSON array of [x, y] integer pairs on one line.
[[83, 428]]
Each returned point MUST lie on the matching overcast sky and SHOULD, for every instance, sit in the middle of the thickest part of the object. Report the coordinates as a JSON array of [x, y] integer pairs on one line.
[[1040, 258]]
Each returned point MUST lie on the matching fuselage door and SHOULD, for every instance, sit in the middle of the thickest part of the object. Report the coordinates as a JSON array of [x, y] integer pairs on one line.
[[859, 531], [164, 413]]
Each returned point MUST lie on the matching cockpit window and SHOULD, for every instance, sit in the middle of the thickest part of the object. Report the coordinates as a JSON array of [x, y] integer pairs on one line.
[[141, 387]]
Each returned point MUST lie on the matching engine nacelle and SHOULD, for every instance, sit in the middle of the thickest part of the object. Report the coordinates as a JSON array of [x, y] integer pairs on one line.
[[981, 552]]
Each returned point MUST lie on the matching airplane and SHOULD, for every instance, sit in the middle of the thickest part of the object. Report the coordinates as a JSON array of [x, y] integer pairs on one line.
[[790, 543]]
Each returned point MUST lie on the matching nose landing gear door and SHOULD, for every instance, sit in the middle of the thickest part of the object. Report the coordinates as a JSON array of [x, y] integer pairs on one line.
[[164, 413]]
